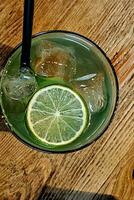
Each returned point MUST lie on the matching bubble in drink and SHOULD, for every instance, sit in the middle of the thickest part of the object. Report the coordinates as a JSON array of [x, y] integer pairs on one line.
[[92, 88], [19, 86], [54, 60]]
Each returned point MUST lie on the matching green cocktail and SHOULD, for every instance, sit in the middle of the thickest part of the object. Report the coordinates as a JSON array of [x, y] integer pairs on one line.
[[79, 69]]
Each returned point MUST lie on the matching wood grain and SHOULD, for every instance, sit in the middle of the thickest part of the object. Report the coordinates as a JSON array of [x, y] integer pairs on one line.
[[121, 181], [106, 167], [23, 172]]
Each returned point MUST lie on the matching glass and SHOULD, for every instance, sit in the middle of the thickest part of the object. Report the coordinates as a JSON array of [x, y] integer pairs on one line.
[[79, 64]]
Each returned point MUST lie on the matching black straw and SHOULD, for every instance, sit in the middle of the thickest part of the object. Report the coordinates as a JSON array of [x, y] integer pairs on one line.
[[27, 33]]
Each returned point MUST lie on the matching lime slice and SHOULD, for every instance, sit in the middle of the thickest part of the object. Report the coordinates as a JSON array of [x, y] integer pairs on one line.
[[57, 115]]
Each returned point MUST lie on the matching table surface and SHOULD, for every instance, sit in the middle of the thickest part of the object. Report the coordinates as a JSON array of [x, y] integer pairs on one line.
[[105, 169]]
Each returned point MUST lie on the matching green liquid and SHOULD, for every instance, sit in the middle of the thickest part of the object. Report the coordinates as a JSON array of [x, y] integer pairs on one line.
[[89, 61]]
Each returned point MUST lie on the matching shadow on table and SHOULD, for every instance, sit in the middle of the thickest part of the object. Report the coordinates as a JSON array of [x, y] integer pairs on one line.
[[49, 193], [4, 53]]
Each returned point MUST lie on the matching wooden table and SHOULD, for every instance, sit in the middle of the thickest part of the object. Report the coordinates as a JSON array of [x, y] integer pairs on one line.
[[105, 169]]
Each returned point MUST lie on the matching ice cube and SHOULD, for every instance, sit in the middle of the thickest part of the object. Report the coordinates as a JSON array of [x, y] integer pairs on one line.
[[92, 90], [19, 87], [54, 60]]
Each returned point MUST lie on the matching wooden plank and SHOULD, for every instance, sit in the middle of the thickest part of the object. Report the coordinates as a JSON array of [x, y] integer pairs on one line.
[[106, 166], [121, 181], [23, 171]]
